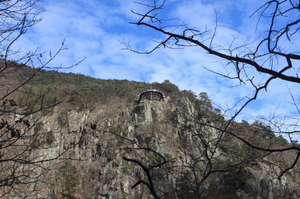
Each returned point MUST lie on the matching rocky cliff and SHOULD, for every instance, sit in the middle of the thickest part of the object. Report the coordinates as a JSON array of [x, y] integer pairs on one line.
[[106, 148]]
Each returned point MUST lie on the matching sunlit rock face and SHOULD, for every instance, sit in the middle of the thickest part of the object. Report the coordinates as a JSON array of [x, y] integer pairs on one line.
[[95, 142]]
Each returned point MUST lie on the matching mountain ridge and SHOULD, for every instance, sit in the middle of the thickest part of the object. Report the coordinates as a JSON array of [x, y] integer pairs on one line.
[[109, 147]]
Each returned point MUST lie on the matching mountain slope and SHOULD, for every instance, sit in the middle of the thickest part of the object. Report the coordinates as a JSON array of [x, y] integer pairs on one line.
[[96, 143]]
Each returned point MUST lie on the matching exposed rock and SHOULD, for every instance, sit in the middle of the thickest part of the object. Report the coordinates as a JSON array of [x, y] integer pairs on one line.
[[97, 140]]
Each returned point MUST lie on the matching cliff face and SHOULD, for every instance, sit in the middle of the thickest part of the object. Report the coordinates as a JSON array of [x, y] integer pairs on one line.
[[96, 141]]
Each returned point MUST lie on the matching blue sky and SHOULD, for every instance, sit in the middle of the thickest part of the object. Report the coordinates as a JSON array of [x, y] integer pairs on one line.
[[95, 29]]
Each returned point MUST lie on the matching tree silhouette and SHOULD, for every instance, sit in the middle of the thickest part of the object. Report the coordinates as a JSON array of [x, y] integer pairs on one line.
[[269, 56], [22, 168]]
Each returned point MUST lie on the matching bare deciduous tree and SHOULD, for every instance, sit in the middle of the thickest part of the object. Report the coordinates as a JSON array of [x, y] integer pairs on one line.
[[269, 56], [22, 166]]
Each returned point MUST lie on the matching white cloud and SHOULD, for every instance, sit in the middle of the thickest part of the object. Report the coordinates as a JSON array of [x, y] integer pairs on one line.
[[94, 29]]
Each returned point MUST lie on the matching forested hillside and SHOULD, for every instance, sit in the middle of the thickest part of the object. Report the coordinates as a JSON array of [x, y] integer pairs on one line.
[[79, 91]]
